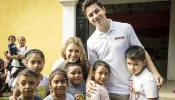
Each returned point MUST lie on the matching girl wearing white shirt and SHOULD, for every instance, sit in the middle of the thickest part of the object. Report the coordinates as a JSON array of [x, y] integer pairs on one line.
[[58, 83], [100, 74]]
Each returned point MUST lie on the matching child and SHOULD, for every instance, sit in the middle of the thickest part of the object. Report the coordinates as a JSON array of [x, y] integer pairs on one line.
[[1, 66], [6, 75], [27, 80], [35, 60], [13, 51], [100, 73], [143, 85], [58, 84], [1, 73], [76, 82]]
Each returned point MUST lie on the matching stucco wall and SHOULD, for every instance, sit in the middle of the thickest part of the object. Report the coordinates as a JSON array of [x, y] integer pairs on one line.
[[39, 21]]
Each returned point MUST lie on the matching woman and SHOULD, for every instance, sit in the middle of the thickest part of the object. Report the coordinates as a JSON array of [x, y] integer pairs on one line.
[[73, 51]]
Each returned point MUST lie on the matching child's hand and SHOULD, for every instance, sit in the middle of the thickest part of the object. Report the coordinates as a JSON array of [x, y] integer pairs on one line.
[[3, 77], [90, 88], [159, 80], [133, 91], [18, 50], [18, 55], [13, 56], [13, 98]]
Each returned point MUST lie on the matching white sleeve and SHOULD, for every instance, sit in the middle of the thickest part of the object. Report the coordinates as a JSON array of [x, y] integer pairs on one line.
[[27, 49], [99, 95], [132, 37], [92, 55], [58, 64], [94, 96], [105, 95], [14, 85], [150, 89]]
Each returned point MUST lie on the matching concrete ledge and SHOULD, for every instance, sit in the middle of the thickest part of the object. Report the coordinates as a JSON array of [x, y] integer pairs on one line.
[[106, 2], [68, 2]]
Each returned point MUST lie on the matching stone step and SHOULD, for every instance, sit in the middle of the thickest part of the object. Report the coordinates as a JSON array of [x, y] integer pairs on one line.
[[6, 96]]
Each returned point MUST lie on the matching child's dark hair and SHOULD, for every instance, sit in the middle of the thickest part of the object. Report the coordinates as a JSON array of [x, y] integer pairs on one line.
[[73, 64], [34, 51], [88, 3], [58, 72], [11, 36], [101, 63], [135, 53], [5, 53], [27, 72], [14, 75]]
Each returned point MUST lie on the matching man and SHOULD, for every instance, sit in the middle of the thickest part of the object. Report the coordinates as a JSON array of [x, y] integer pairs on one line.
[[109, 43]]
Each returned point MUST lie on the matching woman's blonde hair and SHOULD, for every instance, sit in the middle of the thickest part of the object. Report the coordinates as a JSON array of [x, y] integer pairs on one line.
[[83, 58]]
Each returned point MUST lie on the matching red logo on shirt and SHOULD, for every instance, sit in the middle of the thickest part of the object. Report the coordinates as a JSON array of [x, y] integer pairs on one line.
[[120, 37]]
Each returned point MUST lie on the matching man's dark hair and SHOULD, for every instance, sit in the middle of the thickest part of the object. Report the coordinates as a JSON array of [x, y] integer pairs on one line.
[[135, 53], [88, 3]]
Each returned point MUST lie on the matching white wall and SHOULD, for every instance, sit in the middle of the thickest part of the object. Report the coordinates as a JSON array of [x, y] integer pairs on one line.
[[171, 49]]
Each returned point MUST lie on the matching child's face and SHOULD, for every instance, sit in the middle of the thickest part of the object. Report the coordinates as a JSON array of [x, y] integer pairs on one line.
[[135, 66], [21, 41], [75, 75], [27, 85], [36, 63], [72, 52], [58, 84], [101, 74], [12, 40]]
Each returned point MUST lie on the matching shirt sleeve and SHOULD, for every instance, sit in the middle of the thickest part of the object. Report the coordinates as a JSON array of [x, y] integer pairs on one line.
[[14, 85], [58, 64], [101, 94], [92, 55], [27, 49], [132, 37], [150, 89], [104, 93], [94, 96]]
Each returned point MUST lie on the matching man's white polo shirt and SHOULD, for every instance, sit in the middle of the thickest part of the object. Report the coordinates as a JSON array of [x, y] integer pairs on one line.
[[111, 47]]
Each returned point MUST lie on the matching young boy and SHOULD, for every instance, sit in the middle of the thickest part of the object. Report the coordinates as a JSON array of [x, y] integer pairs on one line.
[[27, 80], [76, 83], [142, 83], [13, 51]]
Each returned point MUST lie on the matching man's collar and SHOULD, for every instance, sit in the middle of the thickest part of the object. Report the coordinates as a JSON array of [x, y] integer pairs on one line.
[[101, 34], [112, 27]]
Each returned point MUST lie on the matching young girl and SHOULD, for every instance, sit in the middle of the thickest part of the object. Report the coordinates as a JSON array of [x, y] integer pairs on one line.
[[76, 83], [58, 84], [73, 51], [35, 60], [100, 74]]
